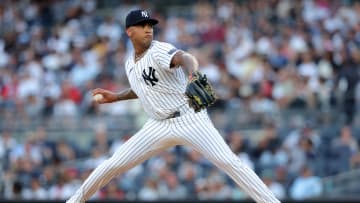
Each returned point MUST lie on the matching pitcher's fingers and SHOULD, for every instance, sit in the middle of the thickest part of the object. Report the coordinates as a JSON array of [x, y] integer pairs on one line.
[[103, 101], [97, 91]]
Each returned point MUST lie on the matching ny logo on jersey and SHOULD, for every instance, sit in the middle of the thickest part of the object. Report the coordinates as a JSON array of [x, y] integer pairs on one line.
[[144, 14], [150, 77]]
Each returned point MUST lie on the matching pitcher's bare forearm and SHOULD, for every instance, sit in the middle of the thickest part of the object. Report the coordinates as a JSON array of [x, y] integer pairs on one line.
[[185, 60], [107, 96], [126, 95]]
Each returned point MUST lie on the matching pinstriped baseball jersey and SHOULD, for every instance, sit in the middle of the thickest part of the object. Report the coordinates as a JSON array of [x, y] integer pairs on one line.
[[159, 88]]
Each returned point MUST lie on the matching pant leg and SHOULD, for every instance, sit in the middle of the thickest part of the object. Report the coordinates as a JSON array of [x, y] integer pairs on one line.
[[199, 133], [150, 140]]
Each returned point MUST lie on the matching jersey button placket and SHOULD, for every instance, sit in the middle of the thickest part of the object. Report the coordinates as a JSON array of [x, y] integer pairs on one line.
[[172, 125]]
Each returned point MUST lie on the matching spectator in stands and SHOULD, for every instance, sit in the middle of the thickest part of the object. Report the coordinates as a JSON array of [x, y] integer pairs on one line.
[[188, 172], [355, 161], [111, 192], [149, 191], [296, 144], [45, 145], [62, 189], [16, 191], [64, 152], [171, 188], [35, 192], [349, 75], [7, 144], [343, 148], [269, 150], [218, 188], [306, 186], [48, 177], [101, 141]]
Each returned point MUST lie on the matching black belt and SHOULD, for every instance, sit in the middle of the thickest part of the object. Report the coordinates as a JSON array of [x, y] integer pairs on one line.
[[174, 115]]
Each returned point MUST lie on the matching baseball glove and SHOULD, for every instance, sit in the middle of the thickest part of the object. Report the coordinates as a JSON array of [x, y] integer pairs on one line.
[[199, 92]]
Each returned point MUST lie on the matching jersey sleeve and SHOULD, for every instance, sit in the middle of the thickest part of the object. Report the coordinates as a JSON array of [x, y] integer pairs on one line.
[[127, 67], [163, 53]]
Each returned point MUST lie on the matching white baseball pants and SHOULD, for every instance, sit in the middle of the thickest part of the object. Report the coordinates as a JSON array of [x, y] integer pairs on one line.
[[193, 130]]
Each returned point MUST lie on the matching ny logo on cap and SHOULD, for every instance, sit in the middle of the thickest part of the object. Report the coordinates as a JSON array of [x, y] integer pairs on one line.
[[144, 14]]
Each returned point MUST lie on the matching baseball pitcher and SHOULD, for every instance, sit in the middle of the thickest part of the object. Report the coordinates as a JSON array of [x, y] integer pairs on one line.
[[176, 107]]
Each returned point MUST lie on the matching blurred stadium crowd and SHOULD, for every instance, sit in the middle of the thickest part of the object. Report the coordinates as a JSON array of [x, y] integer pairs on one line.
[[263, 57]]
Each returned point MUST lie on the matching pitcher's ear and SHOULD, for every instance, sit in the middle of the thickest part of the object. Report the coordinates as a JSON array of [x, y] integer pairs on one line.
[[128, 32]]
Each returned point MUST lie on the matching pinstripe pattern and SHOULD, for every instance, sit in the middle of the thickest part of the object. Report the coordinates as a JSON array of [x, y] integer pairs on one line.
[[162, 99], [150, 140], [192, 129], [201, 135]]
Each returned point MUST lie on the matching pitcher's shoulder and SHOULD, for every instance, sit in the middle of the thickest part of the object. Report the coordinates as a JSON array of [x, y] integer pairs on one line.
[[156, 45], [129, 62]]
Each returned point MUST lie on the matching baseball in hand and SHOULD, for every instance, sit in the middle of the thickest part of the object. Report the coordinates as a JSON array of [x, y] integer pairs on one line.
[[98, 97]]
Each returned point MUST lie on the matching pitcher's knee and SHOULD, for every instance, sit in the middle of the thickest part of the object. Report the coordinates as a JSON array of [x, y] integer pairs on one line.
[[113, 166], [229, 162]]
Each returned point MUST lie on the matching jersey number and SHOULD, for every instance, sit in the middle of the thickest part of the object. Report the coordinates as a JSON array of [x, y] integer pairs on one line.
[[150, 77]]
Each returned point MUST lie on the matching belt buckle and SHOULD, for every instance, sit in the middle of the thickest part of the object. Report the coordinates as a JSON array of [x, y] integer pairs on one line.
[[175, 114]]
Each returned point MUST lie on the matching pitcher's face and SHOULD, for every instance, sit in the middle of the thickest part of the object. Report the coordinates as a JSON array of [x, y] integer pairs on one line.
[[141, 34]]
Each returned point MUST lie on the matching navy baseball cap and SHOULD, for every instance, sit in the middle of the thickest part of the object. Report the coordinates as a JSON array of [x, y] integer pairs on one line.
[[137, 17]]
